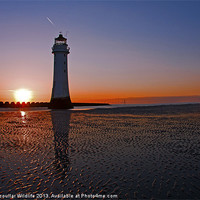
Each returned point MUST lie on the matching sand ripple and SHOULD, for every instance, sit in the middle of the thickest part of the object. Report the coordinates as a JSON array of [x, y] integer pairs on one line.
[[132, 155]]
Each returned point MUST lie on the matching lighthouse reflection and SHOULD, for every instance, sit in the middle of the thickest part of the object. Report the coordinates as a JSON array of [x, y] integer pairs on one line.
[[61, 126]]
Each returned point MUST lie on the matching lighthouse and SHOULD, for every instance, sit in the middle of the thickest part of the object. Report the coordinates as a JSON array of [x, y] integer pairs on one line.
[[60, 98]]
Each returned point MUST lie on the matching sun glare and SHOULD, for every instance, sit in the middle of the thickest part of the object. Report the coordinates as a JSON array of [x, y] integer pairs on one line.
[[23, 95]]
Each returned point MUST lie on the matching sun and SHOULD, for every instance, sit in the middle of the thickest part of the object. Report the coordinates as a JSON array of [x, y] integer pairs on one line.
[[22, 95]]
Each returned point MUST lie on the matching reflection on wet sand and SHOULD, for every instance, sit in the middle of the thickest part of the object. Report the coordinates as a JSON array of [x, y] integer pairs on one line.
[[129, 153], [61, 126]]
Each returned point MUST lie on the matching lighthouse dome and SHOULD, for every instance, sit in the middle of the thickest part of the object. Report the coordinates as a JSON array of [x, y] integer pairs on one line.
[[60, 40]]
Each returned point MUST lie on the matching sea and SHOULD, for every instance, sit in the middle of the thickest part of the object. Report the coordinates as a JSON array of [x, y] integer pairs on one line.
[[105, 152]]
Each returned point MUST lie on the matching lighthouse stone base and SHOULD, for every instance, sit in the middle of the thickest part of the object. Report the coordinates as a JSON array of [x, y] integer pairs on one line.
[[61, 103]]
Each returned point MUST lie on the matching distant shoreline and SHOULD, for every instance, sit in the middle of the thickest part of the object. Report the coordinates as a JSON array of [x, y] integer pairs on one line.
[[43, 104]]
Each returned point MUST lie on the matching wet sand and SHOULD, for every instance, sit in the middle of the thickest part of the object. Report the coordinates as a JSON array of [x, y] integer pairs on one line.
[[141, 152]]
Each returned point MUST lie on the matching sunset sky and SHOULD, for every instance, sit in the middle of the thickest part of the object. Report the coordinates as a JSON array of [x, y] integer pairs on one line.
[[119, 49]]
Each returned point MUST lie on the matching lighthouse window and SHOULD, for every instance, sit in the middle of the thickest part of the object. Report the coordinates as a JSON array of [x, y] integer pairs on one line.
[[64, 55], [64, 62], [64, 70]]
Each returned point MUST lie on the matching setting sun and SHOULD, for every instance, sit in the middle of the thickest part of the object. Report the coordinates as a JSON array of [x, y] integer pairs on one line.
[[23, 95]]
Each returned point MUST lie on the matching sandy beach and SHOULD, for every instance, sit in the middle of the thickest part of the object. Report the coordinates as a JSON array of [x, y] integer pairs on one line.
[[116, 153]]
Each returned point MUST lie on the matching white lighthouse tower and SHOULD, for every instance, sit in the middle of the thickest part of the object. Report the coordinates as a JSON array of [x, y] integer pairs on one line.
[[60, 97]]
